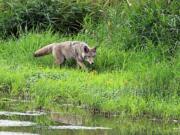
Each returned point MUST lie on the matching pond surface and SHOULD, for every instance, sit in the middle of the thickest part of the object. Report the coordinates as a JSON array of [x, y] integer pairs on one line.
[[55, 123]]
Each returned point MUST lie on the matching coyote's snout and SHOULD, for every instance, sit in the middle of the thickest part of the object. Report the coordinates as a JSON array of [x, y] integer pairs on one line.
[[77, 50]]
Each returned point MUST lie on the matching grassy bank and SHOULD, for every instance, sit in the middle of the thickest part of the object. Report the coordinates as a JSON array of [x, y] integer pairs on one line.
[[141, 85], [136, 70]]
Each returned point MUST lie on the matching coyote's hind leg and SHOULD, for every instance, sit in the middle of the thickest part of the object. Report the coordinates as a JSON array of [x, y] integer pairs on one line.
[[59, 58]]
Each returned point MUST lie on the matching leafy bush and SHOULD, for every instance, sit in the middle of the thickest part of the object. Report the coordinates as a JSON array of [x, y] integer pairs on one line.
[[62, 15], [136, 26], [158, 21]]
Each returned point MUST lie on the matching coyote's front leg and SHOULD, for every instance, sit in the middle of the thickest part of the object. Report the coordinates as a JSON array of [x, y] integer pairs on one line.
[[81, 64]]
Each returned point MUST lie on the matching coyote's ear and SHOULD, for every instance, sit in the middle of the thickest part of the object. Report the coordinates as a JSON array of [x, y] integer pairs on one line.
[[94, 49], [86, 49]]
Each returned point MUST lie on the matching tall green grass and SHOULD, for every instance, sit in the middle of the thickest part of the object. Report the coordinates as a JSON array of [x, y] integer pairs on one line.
[[146, 21]]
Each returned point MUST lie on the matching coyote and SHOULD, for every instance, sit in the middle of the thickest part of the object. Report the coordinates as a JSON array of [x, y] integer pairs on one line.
[[77, 50]]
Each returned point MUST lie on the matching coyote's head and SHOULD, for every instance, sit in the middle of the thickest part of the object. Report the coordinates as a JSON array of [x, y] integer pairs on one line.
[[89, 54]]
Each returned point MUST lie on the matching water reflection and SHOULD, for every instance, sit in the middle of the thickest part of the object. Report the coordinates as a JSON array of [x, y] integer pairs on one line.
[[68, 124], [68, 119]]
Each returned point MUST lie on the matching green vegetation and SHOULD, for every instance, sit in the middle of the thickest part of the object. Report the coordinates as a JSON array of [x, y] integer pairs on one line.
[[136, 71], [64, 16]]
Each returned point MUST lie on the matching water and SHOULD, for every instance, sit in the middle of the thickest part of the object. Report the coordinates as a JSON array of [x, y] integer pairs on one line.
[[15, 133], [15, 123], [56, 123]]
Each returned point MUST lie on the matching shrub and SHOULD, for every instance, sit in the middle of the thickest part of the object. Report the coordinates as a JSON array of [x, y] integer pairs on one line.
[[158, 21], [145, 21], [62, 15]]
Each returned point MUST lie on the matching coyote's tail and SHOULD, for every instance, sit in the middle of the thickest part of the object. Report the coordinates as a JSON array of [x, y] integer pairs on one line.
[[43, 51]]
